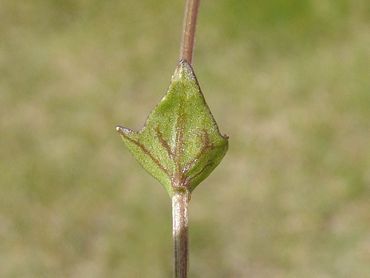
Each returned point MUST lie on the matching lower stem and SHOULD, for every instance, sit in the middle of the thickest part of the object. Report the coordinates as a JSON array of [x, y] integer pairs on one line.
[[180, 203]]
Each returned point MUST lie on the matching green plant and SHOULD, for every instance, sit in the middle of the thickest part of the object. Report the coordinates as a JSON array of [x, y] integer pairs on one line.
[[180, 143]]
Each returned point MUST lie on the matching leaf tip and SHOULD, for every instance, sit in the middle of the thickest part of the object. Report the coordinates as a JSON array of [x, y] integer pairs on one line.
[[183, 70], [123, 130]]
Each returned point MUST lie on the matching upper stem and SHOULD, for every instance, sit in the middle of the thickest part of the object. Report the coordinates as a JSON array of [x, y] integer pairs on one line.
[[180, 202], [188, 34]]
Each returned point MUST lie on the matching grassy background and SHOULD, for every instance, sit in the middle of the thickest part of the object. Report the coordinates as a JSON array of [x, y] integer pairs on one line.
[[287, 80]]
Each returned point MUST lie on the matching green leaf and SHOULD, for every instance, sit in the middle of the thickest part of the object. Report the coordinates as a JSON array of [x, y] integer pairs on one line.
[[180, 144]]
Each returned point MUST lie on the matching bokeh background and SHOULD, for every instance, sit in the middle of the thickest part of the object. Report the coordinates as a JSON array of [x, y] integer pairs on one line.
[[287, 80]]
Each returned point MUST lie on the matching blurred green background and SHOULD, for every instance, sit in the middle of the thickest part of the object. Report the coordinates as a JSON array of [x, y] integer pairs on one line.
[[287, 80]]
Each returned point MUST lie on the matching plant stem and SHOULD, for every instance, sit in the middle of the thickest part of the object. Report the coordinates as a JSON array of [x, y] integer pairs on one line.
[[180, 199], [180, 203], [188, 34]]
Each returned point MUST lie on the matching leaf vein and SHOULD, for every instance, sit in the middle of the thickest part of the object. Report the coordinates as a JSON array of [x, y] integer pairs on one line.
[[148, 153]]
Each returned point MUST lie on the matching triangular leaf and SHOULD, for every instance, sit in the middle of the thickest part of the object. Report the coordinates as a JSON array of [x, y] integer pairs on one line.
[[180, 144]]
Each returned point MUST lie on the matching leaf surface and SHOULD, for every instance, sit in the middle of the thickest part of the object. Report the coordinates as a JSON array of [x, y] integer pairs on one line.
[[180, 143]]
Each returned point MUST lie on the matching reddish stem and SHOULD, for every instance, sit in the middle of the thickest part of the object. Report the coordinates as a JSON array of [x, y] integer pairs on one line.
[[188, 34]]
